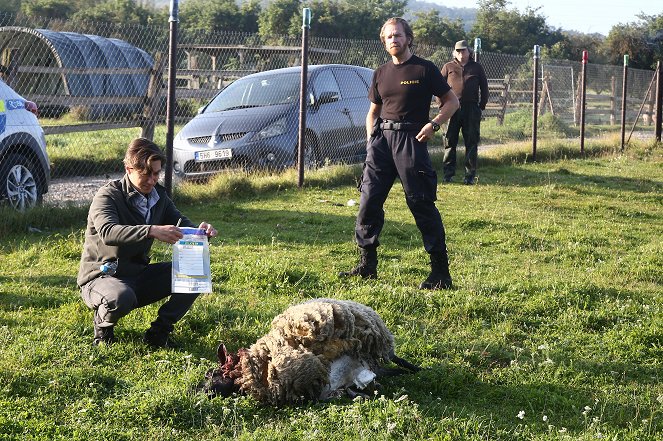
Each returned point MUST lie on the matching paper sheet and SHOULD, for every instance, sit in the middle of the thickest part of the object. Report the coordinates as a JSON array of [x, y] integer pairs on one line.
[[191, 258]]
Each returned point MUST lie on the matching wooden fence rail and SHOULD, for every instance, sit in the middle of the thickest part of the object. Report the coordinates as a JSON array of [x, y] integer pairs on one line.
[[202, 84]]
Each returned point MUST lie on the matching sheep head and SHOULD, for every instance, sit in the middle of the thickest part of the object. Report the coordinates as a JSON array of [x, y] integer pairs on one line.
[[221, 381]]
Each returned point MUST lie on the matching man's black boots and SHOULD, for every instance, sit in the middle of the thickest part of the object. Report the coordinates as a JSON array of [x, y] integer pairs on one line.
[[439, 277], [368, 265]]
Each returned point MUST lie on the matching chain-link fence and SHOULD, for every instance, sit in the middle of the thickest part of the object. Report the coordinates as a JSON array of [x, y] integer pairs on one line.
[[98, 86]]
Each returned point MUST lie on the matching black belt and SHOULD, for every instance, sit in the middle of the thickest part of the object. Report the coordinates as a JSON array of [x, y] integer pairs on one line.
[[401, 125]]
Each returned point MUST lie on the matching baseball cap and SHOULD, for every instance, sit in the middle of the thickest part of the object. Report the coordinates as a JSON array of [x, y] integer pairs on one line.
[[462, 44]]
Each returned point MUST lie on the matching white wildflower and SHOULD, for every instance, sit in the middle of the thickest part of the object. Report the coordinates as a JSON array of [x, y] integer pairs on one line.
[[521, 414], [545, 417]]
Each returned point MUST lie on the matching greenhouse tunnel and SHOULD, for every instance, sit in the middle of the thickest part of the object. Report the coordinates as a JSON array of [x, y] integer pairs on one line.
[[45, 48]]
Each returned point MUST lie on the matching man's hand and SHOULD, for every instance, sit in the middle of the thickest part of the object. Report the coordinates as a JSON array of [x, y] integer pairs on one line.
[[165, 233], [425, 133], [209, 229]]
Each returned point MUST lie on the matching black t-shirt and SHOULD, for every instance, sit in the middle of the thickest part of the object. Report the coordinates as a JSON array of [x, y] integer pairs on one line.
[[405, 90]]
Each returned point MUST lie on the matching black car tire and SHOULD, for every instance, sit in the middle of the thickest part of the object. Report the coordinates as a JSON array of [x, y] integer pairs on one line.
[[18, 184]]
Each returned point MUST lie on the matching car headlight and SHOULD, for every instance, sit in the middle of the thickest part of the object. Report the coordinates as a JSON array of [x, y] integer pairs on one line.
[[278, 127]]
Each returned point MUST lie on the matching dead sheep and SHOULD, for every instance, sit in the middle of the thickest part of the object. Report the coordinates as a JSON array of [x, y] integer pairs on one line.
[[316, 350]]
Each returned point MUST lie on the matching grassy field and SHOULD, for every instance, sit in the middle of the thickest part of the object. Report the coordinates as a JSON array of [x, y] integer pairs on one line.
[[554, 330]]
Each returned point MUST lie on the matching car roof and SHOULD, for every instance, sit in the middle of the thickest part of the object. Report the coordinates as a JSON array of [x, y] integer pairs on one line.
[[311, 68]]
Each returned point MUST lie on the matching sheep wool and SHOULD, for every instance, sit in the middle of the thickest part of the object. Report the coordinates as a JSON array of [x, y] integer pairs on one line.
[[292, 363]]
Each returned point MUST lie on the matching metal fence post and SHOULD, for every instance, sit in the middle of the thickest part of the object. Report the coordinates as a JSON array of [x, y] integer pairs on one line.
[[477, 49], [306, 24], [535, 98], [583, 100], [170, 105], [624, 85], [659, 100]]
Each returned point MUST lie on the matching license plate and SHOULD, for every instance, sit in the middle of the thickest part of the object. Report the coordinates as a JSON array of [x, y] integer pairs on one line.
[[211, 155]]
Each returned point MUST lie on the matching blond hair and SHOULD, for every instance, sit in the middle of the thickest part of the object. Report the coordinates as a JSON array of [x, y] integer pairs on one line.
[[406, 28]]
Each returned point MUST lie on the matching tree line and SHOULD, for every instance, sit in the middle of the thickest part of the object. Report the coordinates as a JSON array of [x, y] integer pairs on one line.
[[502, 28]]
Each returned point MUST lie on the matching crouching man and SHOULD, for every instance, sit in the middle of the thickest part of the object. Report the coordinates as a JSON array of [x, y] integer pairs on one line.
[[115, 274]]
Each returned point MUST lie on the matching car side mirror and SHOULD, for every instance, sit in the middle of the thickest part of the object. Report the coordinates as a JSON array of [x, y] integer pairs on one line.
[[327, 97]]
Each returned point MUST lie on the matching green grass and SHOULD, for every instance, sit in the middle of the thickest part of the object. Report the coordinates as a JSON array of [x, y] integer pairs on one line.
[[557, 312], [92, 153]]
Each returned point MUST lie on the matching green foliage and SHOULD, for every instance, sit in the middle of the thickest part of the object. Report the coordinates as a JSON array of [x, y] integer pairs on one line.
[[431, 29], [114, 11], [220, 15], [276, 18], [502, 29], [641, 40], [572, 46], [553, 332], [508, 31], [57, 9], [331, 18]]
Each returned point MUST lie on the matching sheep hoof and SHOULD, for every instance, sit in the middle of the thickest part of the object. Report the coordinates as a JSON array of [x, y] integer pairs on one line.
[[356, 394]]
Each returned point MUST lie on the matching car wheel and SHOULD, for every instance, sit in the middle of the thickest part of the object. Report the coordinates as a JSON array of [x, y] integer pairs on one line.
[[18, 184]]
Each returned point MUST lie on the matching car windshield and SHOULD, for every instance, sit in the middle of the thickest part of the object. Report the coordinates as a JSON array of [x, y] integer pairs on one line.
[[257, 92]]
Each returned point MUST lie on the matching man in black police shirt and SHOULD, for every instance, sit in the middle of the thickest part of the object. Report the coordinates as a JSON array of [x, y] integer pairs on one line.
[[398, 127]]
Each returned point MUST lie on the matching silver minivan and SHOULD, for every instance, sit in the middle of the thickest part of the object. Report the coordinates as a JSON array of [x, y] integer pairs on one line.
[[254, 122]]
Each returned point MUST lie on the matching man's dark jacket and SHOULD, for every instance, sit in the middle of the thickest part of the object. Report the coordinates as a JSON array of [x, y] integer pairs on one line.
[[466, 82], [116, 230]]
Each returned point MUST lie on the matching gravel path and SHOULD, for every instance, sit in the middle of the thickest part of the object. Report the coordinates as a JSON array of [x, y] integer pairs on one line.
[[76, 190]]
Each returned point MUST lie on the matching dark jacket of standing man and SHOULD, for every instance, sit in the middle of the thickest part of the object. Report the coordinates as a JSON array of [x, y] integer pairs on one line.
[[398, 127], [468, 81], [125, 217]]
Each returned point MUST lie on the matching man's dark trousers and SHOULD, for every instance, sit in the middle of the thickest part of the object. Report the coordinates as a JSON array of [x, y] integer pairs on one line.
[[112, 298], [467, 118], [392, 154]]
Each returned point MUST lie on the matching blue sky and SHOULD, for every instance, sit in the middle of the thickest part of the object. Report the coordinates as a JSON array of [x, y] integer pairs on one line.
[[586, 16]]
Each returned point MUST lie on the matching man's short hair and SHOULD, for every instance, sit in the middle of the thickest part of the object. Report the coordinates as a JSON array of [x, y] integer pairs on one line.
[[406, 28], [141, 153]]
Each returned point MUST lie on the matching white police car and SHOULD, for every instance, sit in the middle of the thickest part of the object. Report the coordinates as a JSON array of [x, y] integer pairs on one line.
[[24, 167]]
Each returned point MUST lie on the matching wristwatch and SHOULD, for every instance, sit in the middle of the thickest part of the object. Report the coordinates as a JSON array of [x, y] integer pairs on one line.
[[435, 125]]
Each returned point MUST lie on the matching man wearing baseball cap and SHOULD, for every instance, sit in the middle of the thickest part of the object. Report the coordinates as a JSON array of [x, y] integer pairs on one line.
[[468, 81]]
